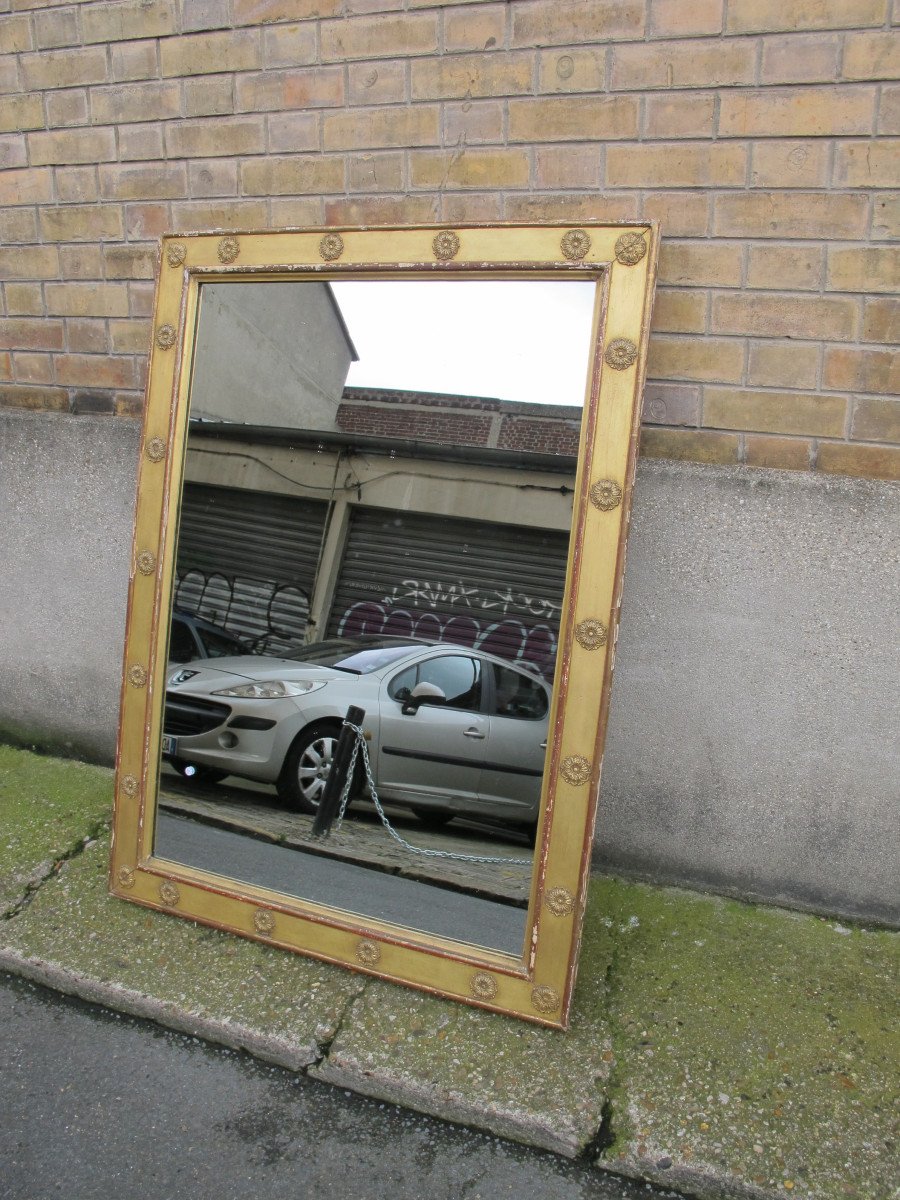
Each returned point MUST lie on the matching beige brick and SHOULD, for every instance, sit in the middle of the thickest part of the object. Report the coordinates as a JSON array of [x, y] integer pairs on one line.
[[790, 215], [375, 172], [67, 107], [386, 35], [12, 151], [377, 83], [867, 164], [706, 360], [19, 333], [862, 370], [779, 453], [381, 210], [572, 70], [256, 12], [889, 112], [129, 404], [15, 34], [140, 296], [63, 68], [138, 143], [871, 56], [289, 45], [375, 128], [682, 65], [6, 367], [781, 163], [26, 186], [125, 102], [472, 123], [94, 370], [463, 207], [9, 75], [676, 18], [81, 223], [572, 206], [210, 53], [764, 315], [465, 76], [481, 28], [29, 262], [680, 214], [150, 221], [871, 462], [297, 211], [221, 214], [679, 164], [17, 225], [213, 178], [80, 262], [671, 404], [775, 412], [797, 112], [78, 185], [72, 146], [210, 97], [864, 269], [703, 264], [150, 181], [33, 396], [24, 299], [881, 321], [314, 87], [689, 114], [689, 445], [129, 337], [805, 58], [677, 310], [129, 262], [762, 16], [21, 112], [876, 421], [219, 137], [292, 176], [33, 368], [783, 364], [573, 118], [790, 268], [568, 22], [469, 169], [58, 27], [293, 132], [886, 216], [567, 166], [125, 20], [133, 60]]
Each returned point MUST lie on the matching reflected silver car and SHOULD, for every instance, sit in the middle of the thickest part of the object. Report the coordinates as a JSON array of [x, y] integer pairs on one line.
[[449, 730]]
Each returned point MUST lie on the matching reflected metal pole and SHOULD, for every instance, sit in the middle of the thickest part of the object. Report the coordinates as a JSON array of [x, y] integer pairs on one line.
[[337, 776]]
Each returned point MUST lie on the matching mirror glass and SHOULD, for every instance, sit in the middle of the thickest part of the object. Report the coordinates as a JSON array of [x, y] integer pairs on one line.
[[376, 511]]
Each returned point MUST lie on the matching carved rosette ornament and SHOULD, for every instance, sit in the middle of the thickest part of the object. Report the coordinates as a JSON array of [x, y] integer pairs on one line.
[[156, 449], [484, 986], [445, 245], [166, 336], [228, 249], [146, 562], [575, 244], [129, 785], [621, 354], [560, 902], [544, 998], [575, 769], [368, 953], [331, 247], [169, 893], [630, 248], [606, 495], [591, 634], [137, 676], [125, 877], [175, 254], [264, 922]]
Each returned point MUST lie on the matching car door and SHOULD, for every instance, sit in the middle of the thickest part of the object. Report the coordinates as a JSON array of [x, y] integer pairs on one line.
[[518, 707], [433, 757]]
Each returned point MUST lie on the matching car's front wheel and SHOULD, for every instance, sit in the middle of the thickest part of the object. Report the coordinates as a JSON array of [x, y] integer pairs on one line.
[[306, 767]]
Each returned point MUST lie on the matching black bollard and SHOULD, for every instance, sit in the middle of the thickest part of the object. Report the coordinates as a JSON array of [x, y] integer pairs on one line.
[[337, 776]]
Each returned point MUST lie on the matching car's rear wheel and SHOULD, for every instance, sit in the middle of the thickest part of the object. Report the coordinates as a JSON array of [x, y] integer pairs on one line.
[[306, 768]]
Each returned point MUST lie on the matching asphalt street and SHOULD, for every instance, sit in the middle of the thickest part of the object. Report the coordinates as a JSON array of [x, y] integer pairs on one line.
[[93, 1104]]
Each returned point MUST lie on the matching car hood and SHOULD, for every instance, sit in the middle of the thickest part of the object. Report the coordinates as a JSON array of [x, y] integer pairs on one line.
[[213, 673]]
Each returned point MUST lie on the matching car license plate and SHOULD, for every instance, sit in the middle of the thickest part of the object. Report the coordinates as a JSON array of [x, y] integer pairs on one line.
[[169, 744]]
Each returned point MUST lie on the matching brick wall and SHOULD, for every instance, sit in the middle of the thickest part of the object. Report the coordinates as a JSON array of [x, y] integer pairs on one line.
[[761, 133]]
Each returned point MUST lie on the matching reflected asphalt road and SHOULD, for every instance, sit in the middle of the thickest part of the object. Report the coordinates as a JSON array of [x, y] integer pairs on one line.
[[95, 1105]]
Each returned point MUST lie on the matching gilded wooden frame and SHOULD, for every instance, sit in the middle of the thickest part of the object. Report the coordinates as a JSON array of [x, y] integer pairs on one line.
[[622, 259]]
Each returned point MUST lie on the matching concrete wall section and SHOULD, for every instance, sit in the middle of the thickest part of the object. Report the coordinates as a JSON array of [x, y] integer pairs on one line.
[[752, 743], [67, 489]]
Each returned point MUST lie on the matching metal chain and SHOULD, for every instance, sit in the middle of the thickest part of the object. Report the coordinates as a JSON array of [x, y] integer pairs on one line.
[[345, 797]]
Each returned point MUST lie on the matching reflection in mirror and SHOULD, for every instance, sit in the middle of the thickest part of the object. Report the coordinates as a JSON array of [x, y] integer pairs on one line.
[[376, 511]]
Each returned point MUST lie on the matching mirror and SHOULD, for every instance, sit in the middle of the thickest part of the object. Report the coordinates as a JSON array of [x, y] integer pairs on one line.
[[371, 494]]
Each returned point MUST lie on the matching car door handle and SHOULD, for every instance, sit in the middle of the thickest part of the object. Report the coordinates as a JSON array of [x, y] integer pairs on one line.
[[473, 733]]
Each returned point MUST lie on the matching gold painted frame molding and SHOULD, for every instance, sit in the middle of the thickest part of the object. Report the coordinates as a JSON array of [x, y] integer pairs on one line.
[[621, 258]]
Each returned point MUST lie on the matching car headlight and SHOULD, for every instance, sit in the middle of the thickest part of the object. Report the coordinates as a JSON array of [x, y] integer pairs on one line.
[[272, 689]]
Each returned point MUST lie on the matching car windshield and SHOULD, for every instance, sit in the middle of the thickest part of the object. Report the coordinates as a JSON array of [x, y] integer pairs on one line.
[[220, 645], [356, 658]]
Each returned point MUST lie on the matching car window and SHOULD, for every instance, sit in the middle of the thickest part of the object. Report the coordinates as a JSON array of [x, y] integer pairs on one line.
[[182, 647], [457, 675], [220, 645], [518, 695]]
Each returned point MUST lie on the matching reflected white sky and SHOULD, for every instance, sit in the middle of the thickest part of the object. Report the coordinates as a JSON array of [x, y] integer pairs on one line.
[[523, 340]]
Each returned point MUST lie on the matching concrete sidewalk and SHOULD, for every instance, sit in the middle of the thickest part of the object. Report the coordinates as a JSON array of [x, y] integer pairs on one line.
[[717, 1048]]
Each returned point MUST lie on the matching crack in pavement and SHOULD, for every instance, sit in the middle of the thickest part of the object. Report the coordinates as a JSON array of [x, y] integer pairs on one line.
[[34, 884]]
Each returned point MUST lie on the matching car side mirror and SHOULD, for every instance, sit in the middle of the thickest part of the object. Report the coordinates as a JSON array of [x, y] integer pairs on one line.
[[421, 693]]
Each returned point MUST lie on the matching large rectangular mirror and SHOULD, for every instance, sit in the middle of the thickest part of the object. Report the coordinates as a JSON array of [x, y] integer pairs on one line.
[[386, 469]]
